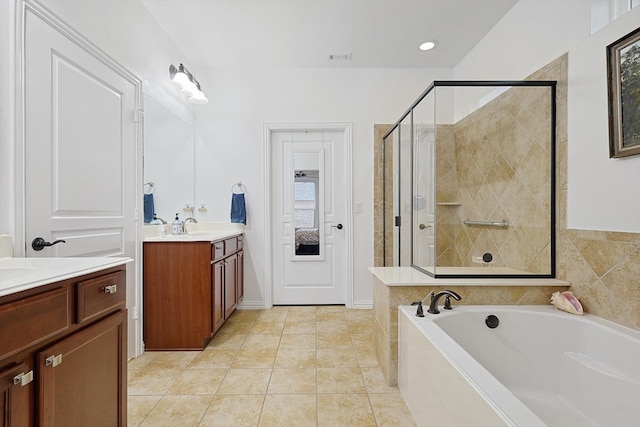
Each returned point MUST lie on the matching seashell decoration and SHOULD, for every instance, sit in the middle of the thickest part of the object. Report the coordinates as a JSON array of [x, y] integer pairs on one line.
[[567, 302]]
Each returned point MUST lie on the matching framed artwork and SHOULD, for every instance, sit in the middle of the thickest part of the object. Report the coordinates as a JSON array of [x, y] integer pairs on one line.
[[623, 68]]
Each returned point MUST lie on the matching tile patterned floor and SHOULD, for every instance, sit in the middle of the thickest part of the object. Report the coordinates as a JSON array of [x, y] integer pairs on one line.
[[288, 366]]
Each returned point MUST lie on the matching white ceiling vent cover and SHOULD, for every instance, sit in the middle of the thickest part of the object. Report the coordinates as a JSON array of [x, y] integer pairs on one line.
[[338, 57]]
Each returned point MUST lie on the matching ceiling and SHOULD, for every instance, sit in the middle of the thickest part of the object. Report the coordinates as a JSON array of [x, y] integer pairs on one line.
[[301, 33]]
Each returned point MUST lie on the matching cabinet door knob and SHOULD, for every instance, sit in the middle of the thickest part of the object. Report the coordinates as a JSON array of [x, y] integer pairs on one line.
[[23, 379], [53, 361]]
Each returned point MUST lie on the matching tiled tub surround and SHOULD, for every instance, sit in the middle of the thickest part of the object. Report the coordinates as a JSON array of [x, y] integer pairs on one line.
[[539, 367], [395, 286], [288, 366]]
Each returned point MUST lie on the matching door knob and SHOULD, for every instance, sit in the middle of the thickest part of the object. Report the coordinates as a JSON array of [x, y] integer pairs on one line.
[[39, 243], [339, 226]]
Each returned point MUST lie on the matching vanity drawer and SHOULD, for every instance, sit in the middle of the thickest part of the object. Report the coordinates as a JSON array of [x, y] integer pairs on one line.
[[31, 320], [230, 246], [101, 295], [217, 250], [240, 241]]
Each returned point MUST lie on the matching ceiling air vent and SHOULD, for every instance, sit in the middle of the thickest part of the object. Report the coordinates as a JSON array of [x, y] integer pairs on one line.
[[338, 57]]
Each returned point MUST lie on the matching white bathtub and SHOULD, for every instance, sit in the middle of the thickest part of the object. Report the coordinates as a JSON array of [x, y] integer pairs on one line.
[[539, 367]]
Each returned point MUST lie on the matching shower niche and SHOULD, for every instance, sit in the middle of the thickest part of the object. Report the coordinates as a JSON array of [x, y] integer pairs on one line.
[[469, 181]]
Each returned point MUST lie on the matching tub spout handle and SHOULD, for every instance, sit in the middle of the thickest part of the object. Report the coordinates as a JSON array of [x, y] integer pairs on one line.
[[447, 303], [420, 311]]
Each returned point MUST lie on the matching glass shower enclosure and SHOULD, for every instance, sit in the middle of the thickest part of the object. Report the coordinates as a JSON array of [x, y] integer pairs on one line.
[[469, 181]]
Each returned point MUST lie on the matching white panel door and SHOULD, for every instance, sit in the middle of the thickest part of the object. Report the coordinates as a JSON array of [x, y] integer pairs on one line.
[[80, 151], [309, 215]]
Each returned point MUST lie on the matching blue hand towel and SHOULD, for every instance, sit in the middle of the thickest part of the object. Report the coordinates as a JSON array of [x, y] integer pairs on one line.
[[148, 208], [238, 209]]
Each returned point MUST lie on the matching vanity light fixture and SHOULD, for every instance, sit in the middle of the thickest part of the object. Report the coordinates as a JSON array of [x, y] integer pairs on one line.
[[187, 83], [428, 45]]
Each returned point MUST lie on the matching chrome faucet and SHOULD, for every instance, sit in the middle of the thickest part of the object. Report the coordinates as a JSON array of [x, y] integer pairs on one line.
[[433, 307], [184, 224]]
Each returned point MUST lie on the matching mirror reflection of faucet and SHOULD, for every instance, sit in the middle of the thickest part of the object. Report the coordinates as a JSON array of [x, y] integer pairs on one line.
[[157, 220]]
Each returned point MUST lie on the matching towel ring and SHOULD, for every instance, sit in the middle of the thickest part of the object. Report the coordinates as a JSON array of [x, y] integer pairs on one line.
[[151, 187], [240, 185]]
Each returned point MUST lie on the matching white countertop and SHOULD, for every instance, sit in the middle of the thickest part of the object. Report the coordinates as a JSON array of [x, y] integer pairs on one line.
[[408, 276], [20, 274], [198, 232]]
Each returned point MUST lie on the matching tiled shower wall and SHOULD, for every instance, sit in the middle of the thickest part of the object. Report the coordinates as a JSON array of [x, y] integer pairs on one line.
[[495, 166], [603, 267]]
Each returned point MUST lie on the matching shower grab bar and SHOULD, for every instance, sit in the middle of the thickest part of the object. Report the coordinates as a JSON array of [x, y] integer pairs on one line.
[[503, 224]]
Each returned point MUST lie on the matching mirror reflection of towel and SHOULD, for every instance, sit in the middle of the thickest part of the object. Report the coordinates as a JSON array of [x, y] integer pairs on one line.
[[148, 208], [238, 209]]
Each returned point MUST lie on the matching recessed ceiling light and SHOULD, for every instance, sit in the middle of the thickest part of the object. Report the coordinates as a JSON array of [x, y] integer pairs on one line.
[[428, 45]]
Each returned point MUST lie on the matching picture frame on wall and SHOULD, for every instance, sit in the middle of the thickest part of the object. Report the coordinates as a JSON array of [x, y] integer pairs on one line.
[[623, 69]]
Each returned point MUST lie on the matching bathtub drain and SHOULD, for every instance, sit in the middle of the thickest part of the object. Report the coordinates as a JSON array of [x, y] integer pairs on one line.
[[492, 321]]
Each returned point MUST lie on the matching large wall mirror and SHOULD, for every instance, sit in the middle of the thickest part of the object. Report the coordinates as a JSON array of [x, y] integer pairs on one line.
[[482, 193], [168, 161]]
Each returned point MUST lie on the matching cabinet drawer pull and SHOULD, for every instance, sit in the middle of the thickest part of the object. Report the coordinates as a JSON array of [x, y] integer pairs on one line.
[[218, 247], [53, 361], [23, 379], [111, 289]]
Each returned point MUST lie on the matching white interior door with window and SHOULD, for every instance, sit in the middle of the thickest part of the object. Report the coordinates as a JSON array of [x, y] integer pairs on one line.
[[310, 217]]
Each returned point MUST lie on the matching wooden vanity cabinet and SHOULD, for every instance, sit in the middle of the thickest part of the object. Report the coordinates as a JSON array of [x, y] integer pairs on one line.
[[63, 353], [82, 389], [16, 400], [230, 283], [190, 289], [217, 272], [240, 276]]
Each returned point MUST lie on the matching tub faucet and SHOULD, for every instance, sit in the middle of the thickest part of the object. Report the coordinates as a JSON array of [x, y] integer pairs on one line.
[[433, 307]]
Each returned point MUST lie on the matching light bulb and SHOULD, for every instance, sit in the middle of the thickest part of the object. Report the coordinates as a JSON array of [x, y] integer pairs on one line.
[[189, 88], [198, 98], [428, 45], [180, 80]]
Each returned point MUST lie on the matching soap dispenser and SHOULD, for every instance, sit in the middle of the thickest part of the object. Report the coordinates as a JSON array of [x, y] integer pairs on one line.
[[177, 225]]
